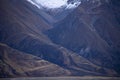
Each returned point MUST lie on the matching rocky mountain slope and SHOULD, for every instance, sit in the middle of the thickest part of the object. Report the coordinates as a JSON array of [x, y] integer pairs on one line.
[[31, 46], [91, 31], [14, 63]]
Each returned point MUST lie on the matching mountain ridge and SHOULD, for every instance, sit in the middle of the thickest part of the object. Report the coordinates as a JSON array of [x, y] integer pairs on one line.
[[23, 29]]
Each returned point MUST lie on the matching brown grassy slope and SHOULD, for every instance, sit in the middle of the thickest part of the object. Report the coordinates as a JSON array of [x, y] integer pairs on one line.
[[20, 32], [19, 64]]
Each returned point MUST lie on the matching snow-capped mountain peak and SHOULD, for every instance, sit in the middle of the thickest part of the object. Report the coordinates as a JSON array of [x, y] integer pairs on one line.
[[51, 4]]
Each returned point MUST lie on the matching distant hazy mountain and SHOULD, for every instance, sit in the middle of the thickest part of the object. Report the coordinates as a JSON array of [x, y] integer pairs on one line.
[[78, 42]]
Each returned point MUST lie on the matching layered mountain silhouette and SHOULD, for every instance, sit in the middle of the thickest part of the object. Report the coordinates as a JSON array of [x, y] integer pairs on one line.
[[81, 42]]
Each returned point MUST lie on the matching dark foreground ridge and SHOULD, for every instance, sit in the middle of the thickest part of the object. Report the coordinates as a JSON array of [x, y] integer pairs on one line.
[[65, 78]]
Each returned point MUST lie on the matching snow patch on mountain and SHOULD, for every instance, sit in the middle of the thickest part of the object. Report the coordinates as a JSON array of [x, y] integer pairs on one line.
[[73, 5], [33, 3], [51, 4]]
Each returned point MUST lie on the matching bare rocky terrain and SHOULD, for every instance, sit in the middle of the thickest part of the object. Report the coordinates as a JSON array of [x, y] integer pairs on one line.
[[80, 42]]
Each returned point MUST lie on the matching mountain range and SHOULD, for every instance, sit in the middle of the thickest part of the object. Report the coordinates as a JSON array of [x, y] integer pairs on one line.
[[83, 41]]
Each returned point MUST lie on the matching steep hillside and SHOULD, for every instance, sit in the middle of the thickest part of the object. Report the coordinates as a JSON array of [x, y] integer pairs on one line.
[[14, 63], [92, 31], [21, 28]]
